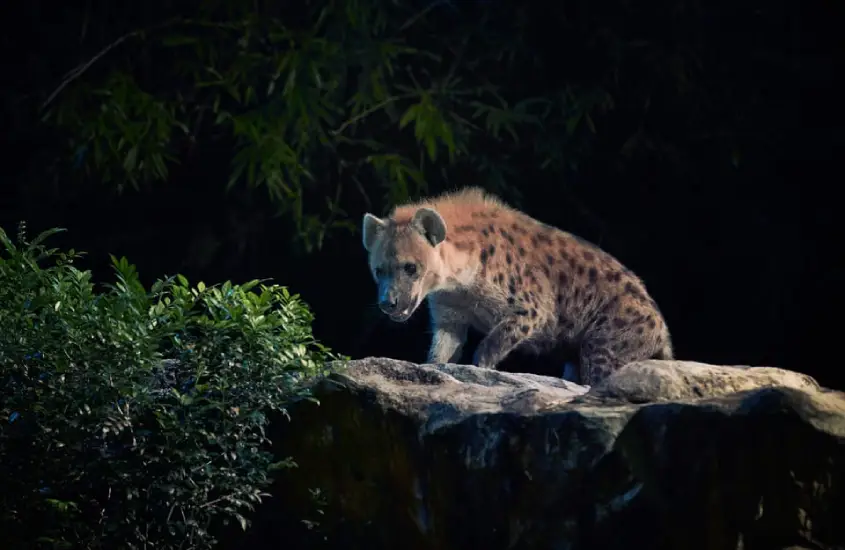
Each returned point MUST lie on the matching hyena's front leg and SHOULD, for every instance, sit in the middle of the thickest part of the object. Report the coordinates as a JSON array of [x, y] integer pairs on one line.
[[504, 338], [449, 329]]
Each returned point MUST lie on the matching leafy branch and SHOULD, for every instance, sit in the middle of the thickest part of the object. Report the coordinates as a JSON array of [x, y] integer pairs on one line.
[[310, 107]]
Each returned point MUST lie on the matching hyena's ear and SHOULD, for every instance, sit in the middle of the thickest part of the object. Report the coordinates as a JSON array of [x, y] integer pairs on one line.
[[431, 225], [371, 229]]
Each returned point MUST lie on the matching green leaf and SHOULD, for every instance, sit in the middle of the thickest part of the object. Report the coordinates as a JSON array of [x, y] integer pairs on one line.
[[572, 122], [131, 158], [41, 237], [431, 146], [410, 114], [590, 124]]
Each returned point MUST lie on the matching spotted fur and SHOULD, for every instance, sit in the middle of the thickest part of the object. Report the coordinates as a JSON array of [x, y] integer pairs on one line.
[[521, 283]]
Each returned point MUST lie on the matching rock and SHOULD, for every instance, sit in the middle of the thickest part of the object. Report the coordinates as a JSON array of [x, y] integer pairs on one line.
[[662, 455], [648, 381]]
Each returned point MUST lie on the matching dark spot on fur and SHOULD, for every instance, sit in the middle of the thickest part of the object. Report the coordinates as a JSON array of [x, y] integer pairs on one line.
[[521, 251], [543, 238], [546, 270], [563, 279], [521, 312], [492, 228], [577, 294], [652, 323], [534, 242], [619, 322], [559, 298], [491, 250], [632, 290], [519, 229], [506, 235], [594, 274], [511, 300], [589, 256], [550, 259], [581, 270], [572, 263], [640, 330], [509, 258], [524, 329], [500, 278], [614, 276], [511, 287], [601, 321], [629, 310], [533, 313], [483, 256]]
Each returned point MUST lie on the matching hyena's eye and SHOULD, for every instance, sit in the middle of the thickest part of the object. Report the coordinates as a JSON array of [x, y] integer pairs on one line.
[[410, 269]]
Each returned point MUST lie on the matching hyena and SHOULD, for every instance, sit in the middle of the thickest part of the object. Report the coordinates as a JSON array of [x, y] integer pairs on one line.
[[521, 283]]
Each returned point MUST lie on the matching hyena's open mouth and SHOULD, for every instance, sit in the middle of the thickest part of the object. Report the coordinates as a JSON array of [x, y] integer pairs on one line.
[[405, 314]]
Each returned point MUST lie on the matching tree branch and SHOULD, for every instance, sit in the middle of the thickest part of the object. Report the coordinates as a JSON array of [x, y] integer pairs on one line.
[[78, 71], [367, 112]]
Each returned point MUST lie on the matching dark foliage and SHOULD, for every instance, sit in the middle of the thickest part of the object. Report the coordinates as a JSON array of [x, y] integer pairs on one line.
[[133, 418]]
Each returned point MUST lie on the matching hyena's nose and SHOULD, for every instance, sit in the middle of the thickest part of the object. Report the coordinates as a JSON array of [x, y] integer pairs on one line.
[[388, 304]]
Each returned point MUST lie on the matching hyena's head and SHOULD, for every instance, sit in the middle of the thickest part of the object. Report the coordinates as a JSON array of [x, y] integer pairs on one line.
[[404, 259]]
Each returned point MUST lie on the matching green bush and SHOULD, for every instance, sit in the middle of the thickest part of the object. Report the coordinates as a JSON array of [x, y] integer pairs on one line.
[[133, 418]]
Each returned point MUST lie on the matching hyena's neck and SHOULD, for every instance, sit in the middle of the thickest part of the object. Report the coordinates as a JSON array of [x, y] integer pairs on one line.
[[457, 268]]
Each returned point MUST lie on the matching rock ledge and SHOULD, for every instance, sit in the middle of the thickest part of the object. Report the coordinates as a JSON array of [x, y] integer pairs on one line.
[[662, 455]]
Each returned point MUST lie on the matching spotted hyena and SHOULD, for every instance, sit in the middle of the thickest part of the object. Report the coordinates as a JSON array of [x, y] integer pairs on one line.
[[523, 284]]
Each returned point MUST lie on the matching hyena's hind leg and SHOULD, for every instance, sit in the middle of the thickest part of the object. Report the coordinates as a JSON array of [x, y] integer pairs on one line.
[[597, 360], [605, 350]]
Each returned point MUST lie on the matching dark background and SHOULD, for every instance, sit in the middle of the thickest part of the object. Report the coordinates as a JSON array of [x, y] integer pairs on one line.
[[744, 259]]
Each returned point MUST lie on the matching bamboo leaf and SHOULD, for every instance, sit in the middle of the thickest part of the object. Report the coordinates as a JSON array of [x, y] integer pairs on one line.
[[411, 114]]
